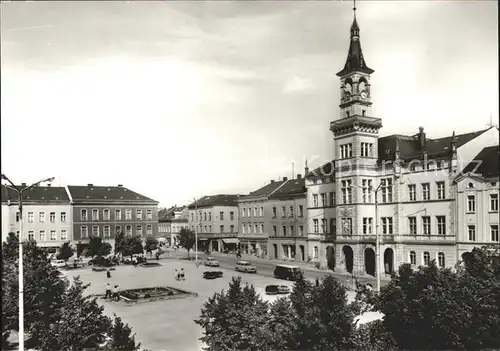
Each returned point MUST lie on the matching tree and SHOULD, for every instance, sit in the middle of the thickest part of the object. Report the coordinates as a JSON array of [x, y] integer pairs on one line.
[[119, 242], [433, 308], [151, 244], [132, 245], [65, 251], [121, 337], [187, 239], [97, 248]]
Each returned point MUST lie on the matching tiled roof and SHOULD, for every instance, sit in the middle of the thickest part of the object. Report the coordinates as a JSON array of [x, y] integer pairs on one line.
[[215, 200], [486, 163], [265, 190], [291, 187], [325, 170], [105, 193], [409, 146], [168, 214], [37, 194]]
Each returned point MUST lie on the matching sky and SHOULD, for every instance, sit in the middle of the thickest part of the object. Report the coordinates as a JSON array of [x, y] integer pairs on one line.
[[177, 100]]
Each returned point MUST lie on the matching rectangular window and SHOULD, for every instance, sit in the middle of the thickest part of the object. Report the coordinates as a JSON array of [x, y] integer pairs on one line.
[[274, 212], [291, 211], [440, 190], [412, 190], [118, 229], [284, 230], [138, 214], [323, 200], [283, 211], [52, 217], [53, 235], [413, 257], [41, 217], [367, 225], [128, 230], [332, 199], [107, 231], [471, 203], [387, 225], [105, 215], [412, 222], [301, 211], [426, 225], [386, 190], [118, 214], [472, 232], [347, 226], [221, 216], [209, 228], [494, 232], [42, 235], [333, 225], [301, 230], [324, 225], [95, 230], [31, 235], [209, 216], [244, 214], [95, 214], [494, 202], [366, 149], [262, 228], [231, 216], [222, 228], [315, 200], [149, 214], [346, 151], [292, 230], [261, 213], [275, 230], [63, 217], [426, 191], [84, 231], [255, 211], [17, 216], [149, 229], [138, 230], [31, 217], [244, 228], [346, 187], [366, 185], [316, 225], [441, 224], [64, 234], [128, 214]]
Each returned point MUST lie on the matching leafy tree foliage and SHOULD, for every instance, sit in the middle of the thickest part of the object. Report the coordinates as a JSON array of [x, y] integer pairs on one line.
[[121, 337], [97, 248], [65, 251], [187, 239], [132, 245], [150, 244], [119, 242]]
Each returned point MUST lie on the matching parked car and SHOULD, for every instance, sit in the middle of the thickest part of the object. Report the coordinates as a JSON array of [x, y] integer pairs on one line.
[[58, 263], [245, 266], [212, 274], [272, 290], [287, 272], [76, 262], [101, 261], [211, 262], [283, 289]]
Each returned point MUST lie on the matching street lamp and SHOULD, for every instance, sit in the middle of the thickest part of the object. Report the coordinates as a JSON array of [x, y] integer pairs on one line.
[[20, 191], [196, 230], [377, 238]]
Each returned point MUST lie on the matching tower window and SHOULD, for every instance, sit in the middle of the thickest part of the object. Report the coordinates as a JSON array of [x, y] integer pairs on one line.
[[363, 113], [347, 113]]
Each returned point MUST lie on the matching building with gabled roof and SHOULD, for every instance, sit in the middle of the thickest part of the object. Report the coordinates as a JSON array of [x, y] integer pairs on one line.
[[254, 215], [215, 219], [171, 221], [47, 215], [107, 210]]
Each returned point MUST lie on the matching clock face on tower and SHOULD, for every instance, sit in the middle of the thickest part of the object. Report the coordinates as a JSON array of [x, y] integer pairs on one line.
[[364, 95]]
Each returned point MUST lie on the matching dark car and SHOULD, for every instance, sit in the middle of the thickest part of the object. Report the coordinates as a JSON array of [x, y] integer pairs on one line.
[[287, 272], [212, 274], [101, 261], [272, 290]]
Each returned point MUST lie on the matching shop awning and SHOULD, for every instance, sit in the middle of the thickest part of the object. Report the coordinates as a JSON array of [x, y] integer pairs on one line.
[[230, 241], [202, 239]]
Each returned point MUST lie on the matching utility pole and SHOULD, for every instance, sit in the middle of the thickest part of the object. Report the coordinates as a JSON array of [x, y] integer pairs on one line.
[[377, 239], [196, 231]]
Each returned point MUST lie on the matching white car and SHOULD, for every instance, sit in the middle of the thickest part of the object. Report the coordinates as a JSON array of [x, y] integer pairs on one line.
[[58, 263], [211, 262], [245, 266]]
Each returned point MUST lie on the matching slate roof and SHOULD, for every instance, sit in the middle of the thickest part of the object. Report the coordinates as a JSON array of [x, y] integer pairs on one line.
[[290, 188], [48, 194], [265, 190], [489, 163], [215, 200], [355, 60], [168, 214], [325, 170], [105, 193], [409, 146]]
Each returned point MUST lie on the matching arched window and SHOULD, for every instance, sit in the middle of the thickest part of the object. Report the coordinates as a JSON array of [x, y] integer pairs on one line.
[[413, 257], [441, 259], [470, 185], [316, 252], [427, 258]]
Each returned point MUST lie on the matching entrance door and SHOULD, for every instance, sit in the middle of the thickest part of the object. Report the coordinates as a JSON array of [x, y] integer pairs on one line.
[[370, 261], [275, 246], [330, 257], [389, 261], [348, 258]]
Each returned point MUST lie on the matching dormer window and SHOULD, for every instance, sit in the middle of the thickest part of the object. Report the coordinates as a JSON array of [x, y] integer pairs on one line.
[[347, 113], [470, 186], [363, 113]]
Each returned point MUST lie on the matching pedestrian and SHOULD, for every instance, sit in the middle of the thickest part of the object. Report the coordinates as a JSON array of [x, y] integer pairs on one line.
[[114, 292], [135, 262], [317, 282], [108, 291], [183, 277], [176, 274], [108, 274]]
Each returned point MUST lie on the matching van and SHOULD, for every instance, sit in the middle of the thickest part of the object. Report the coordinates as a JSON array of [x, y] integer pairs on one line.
[[287, 272]]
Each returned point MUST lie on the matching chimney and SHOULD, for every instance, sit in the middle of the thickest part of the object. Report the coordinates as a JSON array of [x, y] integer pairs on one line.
[[272, 181], [299, 176], [90, 185], [306, 170], [23, 184], [48, 185], [421, 137], [285, 179], [120, 185]]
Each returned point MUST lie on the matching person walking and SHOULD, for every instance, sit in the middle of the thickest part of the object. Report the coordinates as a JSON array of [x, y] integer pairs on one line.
[[176, 274], [183, 277], [114, 292], [317, 282], [108, 273], [108, 291]]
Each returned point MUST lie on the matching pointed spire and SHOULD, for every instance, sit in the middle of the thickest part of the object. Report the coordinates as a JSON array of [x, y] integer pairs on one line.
[[355, 60]]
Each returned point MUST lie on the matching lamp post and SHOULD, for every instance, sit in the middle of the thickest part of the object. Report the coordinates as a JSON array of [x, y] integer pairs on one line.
[[196, 231], [377, 238], [20, 191]]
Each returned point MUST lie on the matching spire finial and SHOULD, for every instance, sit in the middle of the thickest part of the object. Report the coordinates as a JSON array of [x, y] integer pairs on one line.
[[354, 8]]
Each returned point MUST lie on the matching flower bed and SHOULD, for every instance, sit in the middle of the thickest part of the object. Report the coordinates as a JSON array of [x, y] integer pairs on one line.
[[152, 294], [150, 264]]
